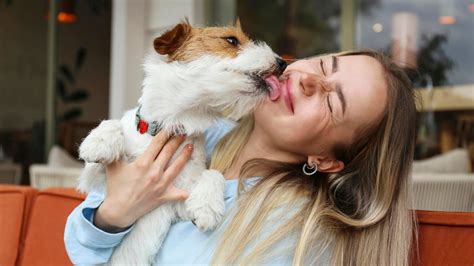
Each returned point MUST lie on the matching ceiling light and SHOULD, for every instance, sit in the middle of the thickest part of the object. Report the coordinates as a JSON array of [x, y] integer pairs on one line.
[[377, 27]]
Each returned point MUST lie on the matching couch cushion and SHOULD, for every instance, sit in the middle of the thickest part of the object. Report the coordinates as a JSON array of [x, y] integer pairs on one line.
[[455, 161], [445, 238], [59, 157], [43, 244], [15, 202]]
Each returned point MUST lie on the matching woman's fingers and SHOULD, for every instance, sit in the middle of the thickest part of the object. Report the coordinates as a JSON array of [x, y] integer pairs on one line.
[[173, 170], [176, 194], [154, 148], [167, 152]]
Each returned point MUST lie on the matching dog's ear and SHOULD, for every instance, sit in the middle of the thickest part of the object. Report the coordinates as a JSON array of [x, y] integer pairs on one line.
[[237, 23], [171, 40]]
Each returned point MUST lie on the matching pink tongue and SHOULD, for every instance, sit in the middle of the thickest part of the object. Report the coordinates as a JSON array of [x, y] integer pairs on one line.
[[274, 84]]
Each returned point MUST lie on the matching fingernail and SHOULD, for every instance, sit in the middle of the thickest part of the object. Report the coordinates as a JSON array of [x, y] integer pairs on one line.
[[189, 146]]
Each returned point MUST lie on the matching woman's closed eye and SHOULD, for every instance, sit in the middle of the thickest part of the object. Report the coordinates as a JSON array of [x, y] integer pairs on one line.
[[333, 106], [326, 89], [321, 64], [329, 104]]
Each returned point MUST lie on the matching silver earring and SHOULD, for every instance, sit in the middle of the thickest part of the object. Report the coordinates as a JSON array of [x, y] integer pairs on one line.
[[310, 170]]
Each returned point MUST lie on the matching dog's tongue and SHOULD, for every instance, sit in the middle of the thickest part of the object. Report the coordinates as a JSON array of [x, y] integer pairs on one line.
[[274, 84]]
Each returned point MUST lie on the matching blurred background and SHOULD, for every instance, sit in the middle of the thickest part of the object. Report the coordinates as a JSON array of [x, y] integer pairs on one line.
[[61, 74]]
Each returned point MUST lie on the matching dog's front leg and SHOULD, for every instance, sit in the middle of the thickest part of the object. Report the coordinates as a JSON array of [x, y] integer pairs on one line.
[[104, 144], [206, 201], [92, 177]]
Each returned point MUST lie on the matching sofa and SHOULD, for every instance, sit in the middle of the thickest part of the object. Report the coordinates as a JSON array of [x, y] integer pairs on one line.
[[445, 238], [32, 224]]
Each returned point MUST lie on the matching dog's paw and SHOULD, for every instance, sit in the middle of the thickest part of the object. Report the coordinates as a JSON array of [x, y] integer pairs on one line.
[[205, 205], [207, 219], [104, 144]]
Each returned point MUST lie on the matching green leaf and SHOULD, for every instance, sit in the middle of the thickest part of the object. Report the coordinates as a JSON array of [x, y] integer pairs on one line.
[[72, 114], [66, 72], [61, 89], [78, 96], [80, 57]]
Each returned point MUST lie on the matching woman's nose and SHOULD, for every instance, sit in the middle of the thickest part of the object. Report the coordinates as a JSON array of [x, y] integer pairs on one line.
[[310, 84]]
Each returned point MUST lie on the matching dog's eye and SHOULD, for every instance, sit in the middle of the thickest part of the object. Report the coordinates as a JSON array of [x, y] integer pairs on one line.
[[232, 40]]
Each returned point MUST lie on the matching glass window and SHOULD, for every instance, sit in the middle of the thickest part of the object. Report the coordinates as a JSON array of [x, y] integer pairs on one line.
[[435, 37]]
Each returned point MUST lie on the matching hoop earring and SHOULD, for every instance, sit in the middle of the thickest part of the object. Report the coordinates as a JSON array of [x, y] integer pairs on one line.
[[310, 170]]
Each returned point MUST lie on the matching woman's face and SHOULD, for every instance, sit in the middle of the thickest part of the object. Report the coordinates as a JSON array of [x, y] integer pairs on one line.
[[320, 102]]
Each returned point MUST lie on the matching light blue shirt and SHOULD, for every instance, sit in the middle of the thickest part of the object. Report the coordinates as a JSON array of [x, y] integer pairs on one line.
[[184, 245]]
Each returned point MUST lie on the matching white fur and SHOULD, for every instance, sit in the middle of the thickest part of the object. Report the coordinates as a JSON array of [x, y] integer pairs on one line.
[[191, 95]]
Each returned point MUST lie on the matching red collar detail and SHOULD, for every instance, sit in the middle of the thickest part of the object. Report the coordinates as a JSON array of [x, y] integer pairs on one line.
[[142, 126]]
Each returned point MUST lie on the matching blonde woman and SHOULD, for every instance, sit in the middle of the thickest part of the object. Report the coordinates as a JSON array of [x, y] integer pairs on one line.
[[317, 175]]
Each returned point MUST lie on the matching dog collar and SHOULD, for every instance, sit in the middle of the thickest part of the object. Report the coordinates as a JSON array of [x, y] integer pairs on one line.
[[143, 126]]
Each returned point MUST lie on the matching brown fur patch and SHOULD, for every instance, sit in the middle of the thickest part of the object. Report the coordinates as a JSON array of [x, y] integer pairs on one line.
[[171, 40], [185, 43]]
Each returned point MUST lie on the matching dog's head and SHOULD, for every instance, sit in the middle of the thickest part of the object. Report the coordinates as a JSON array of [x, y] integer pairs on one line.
[[228, 54]]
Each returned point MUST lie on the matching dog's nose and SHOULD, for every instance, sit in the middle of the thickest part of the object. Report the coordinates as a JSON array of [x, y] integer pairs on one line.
[[281, 65]]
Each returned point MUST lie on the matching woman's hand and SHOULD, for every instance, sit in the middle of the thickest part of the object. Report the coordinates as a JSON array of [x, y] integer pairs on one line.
[[134, 189]]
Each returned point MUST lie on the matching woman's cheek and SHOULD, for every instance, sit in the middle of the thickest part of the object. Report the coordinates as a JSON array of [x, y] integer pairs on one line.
[[318, 123], [313, 114]]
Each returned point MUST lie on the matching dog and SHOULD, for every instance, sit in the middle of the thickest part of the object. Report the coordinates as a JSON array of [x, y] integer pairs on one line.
[[196, 75]]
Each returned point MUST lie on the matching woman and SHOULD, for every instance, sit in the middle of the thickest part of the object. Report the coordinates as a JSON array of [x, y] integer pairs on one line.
[[323, 166]]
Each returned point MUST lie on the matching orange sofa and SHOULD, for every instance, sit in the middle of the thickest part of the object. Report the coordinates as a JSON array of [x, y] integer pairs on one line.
[[445, 238], [32, 224]]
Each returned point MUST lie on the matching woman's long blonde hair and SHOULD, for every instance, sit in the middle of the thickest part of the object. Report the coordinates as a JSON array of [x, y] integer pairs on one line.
[[359, 216]]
